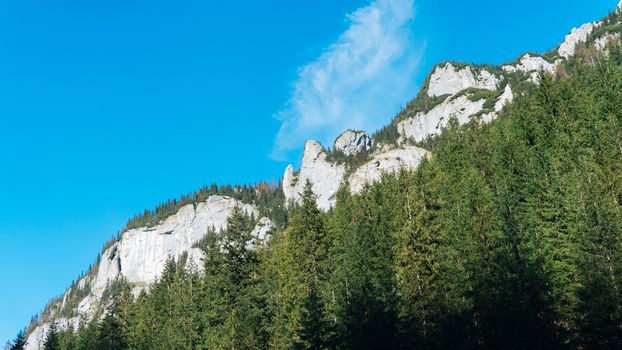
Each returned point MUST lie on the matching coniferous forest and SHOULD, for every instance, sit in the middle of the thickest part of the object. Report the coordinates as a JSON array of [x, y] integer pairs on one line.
[[508, 237]]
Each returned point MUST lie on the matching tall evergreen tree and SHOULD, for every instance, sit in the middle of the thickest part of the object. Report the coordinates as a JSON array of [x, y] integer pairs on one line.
[[111, 334], [51, 340], [19, 342], [309, 252], [231, 307]]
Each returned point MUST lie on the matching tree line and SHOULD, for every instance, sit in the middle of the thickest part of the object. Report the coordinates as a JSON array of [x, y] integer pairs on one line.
[[509, 237]]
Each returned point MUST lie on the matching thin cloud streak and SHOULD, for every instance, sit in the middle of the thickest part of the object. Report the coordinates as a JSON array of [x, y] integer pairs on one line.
[[357, 83]]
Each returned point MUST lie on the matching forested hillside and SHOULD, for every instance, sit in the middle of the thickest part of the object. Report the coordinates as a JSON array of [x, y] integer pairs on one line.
[[508, 237]]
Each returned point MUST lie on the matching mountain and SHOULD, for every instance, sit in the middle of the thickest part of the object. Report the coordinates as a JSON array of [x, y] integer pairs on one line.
[[451, 90], [453, 95]]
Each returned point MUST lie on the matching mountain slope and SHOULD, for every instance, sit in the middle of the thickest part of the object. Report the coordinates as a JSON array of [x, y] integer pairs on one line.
[[451, 90], [452, 94]]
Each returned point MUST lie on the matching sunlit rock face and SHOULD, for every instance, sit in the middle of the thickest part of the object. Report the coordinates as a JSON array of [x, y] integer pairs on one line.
[[577, 35], [261, 233], [352, 142], [140, 255], [602, 42], [424, 125], [325, 176], [528, 63], [533, 65], [506, 97], [389, 162], [447, 79], [37, 337]]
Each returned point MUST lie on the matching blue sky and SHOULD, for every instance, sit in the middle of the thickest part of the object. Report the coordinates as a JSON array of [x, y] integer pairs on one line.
[[109, 107]]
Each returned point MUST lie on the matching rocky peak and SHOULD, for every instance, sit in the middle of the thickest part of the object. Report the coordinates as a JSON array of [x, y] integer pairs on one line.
[[325, 176], [577, 35], [462, 103], [352, 142]]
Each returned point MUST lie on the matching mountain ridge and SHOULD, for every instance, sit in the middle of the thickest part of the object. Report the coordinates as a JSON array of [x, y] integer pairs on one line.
[[452, 91]]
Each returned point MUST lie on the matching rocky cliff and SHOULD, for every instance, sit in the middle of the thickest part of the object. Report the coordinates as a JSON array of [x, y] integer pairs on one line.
[[139, 256]]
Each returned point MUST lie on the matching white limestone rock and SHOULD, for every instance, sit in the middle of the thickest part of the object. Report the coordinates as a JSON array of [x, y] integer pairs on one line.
[[530, 63], [140, 255], [602, 42], [261, 232], [262, 229], [382, 147], [487, 80], [506, 97], [108, 270], [85, 305], [143, 252], [326, 177], [576, 36], [290, 184], [423, 125], [352, 142], [196, 258], [408, 157], [449, 80], [37, 337]]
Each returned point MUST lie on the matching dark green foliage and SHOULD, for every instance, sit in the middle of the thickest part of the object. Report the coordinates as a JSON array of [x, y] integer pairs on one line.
[[230, 293], [386, 135], [52, 341], [268, 197], [296, 287], [111, 331], [19, 342]]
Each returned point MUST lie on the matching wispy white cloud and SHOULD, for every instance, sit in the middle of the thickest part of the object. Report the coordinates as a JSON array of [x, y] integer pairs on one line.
[[357, 82]]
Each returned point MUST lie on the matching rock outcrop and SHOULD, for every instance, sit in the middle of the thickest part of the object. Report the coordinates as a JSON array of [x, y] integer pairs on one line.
[[140, 254], [528, 63], [261, 232], [602, 42], [424, 125], [532, 64], [352, 142], [506, 97], [388, 162], [447, 79], [325, 176], [577, 35]]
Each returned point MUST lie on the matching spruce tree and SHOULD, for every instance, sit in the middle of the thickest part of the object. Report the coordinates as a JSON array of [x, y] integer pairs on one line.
[[231, 315], [51, 339], [111, 335], [309, 252], [87, 338], [19, 342]]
